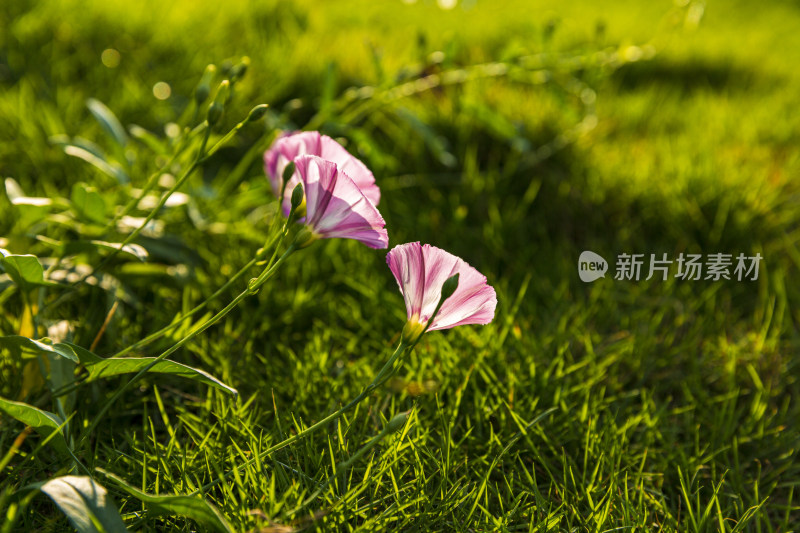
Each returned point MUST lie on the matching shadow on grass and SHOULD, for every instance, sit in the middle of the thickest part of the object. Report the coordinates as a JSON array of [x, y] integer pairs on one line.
[[686, 76]]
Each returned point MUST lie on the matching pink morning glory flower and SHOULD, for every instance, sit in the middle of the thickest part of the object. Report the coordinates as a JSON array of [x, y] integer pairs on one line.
[[421, 270], [288, 147], [335, 206]]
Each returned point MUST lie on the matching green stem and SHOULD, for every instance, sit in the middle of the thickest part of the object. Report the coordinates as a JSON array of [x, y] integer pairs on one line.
[[181, 318], [202, 157], [135, 233], [175, 347], [151, 182], [384, 374]]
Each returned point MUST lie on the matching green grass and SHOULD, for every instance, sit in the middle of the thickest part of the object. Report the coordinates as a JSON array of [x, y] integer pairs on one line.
[[651, 405]]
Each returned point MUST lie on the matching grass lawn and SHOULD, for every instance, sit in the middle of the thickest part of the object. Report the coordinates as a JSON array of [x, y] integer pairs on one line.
[[515, 135]]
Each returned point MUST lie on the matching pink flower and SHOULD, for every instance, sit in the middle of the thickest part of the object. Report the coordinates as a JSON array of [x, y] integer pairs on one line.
[[287, 147], [335, 206], [420, 271]]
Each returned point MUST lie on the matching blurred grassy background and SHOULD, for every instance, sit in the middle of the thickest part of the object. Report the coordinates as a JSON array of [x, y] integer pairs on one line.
[[617, 127]]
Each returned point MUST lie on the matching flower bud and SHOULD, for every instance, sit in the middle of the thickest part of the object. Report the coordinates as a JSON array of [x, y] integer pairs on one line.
[[397, 422], [240, 69], [222, 92], [288, 172], [216, 109], [252, 286], [214, 113], [298, 196], [204, 87], [449, 286], [256, 113]]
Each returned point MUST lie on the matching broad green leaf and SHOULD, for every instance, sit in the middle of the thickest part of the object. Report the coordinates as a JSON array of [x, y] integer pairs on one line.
[[108, 120], [86, 503], [104, 368], [193, 507], [24, 270], [44, 345], [44, 423], [88, 202]]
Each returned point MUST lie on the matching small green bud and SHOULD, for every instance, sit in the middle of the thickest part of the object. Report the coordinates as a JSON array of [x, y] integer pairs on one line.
[[256, 113], [449, 287], [298, 196], [201, 93], [223, 92], [204, 87], [253, 286], [288, 172], [240, 69], [214, 113], [397, 422]]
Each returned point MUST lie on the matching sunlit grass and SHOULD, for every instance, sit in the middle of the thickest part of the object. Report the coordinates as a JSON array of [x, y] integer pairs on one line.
[[638, 405]]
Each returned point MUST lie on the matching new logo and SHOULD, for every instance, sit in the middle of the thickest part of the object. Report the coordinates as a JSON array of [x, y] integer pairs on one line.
[[591, 266]]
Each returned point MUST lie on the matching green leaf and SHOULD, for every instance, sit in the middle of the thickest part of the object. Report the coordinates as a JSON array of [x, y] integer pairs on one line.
[[108, 120], [104, 368], [148, 138], [85, 502], [101, 164], [88, 202], [133, 250], [64, 141], [194, 507], [24, 270], [17, 196], [44, 423], [60, 376], [44, 345]]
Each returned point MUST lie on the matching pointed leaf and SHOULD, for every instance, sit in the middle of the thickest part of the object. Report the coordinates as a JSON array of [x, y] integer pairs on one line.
[[104, 368], [133, 250], [17, 196], [194, 507], [101, 164], [86, 503], [108, 120], [44, 345], [43, 422]]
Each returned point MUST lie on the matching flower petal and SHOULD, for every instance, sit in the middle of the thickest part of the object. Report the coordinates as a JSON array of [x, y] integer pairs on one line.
[[353, 167], [406, 263], [421, 270], [291, 145], [335, 206], [284, 150]]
